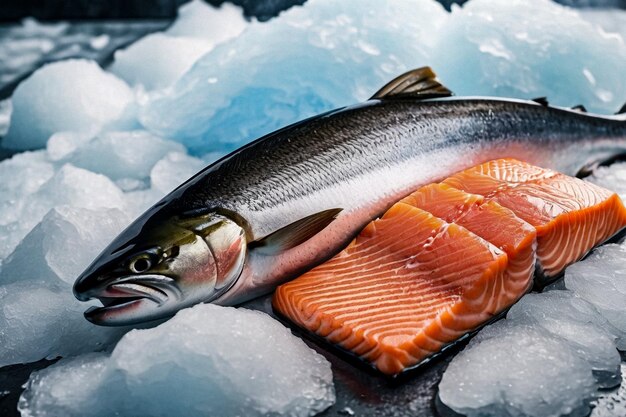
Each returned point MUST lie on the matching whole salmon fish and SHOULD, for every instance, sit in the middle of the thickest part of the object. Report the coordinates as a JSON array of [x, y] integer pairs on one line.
[[285, 203]]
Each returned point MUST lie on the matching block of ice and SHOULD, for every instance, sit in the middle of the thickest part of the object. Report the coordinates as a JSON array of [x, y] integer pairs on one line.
[[565, 315], [207, 360], [531, 48], [513, 369], [40, 321], [308, 60], [62, 245], [121, 155], [173, 170], [157, 60], [600, 279], [72, 95], [197, 19]]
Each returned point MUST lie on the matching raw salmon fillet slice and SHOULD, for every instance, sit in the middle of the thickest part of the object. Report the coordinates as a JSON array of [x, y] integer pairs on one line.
[[409, 284], [492, 222], [571, 216]]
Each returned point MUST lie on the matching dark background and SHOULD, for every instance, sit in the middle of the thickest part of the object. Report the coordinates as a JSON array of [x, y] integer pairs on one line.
[[12, 10]]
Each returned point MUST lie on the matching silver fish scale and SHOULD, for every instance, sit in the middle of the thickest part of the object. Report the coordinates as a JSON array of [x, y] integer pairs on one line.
[[295, 162]]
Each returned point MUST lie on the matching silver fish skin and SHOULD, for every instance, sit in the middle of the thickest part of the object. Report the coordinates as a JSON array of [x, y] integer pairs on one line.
[[362, 159]]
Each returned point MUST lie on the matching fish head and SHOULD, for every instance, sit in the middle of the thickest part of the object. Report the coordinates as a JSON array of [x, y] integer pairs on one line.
[[163, 267]]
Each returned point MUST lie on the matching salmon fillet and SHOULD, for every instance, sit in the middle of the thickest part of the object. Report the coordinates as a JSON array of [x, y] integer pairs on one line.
[[571, 216], [409, 284], [494, 223]]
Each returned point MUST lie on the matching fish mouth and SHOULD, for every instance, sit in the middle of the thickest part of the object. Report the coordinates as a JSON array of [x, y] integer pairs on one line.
[[133, 299]]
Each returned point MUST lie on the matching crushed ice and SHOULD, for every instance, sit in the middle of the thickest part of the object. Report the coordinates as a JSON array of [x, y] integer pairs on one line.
[[103, 145]]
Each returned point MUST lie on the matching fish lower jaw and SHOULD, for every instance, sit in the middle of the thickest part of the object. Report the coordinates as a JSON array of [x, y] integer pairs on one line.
[[122, 311]]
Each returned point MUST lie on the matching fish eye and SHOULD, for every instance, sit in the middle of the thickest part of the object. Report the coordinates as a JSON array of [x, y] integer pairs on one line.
[[140, 264]]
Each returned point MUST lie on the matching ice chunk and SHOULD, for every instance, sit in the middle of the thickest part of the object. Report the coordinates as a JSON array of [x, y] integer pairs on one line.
[[612, 403], [274, 74], [173, 170], [565, 315], [207, 360], [513, 369], [600, 279], [62, 245], [40, 321], [121, 155], [199, 20], [531, 48], [72, 95], [62, 144], [71, 186], [157, 60], [612, 177], [20, 176]]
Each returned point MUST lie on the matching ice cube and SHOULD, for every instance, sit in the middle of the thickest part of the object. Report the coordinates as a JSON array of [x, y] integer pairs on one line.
[[565, 315], [207, 360], [122, 154], [157, 60], [173, 170], [600, 279], [530, 48], [62, 245], [308, 60], [72, 95], [197, 19], [40, 321], [512, 369]]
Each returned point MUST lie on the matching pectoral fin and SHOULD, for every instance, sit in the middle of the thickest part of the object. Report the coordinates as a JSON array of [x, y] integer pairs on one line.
[[295, 233], [420, 83]]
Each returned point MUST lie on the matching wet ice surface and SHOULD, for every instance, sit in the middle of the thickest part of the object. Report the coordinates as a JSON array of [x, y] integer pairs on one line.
[[514, 369], [101, 164], [207, 360]]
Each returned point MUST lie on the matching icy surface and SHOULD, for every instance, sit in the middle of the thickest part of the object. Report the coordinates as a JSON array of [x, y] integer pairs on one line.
[[612, 177], [601, 280], [531, 48], [207, 360], [196, 19], [121, 155], [72, 95], [166, 174], [46, 321], [62, 245], [169, 58], [565, 315], [308, 60], [512, 369]]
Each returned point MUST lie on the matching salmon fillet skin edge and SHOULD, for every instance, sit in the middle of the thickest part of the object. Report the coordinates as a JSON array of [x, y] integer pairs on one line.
[[447, 259]]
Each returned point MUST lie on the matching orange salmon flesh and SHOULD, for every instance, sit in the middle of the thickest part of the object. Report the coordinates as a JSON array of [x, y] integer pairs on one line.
[[448, 258]]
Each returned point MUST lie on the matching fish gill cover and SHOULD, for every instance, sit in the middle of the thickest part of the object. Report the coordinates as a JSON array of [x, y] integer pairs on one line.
[[163, 119]]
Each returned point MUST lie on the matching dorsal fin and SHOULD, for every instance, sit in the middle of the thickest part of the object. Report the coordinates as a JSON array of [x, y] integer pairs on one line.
[[622, 110], [541, 100], [580, 108], [420, 83]]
